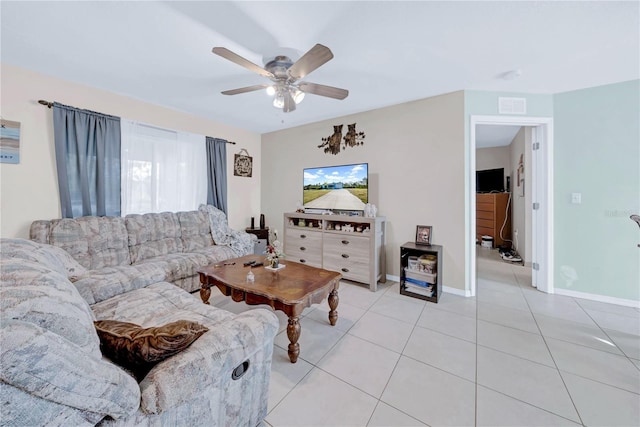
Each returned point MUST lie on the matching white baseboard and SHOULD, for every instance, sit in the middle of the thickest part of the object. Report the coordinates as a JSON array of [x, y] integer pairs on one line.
[[393, 278], [456, 291], [599, 298], [447, 289]]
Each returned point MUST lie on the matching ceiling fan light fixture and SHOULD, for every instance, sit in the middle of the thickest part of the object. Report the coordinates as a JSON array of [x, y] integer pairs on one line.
[[285, 74], [297, 95], [278, 100]]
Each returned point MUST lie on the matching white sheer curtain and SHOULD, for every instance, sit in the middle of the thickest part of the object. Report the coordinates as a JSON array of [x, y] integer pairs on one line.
[[162, 170]]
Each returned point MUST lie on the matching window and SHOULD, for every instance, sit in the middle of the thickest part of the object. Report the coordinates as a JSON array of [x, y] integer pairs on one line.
[[162, 170]]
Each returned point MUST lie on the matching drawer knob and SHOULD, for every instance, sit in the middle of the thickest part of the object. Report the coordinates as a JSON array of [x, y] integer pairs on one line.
[[303, 236], [345, 255], [345, 242], [302, 248], [303, 261], [345, 270]]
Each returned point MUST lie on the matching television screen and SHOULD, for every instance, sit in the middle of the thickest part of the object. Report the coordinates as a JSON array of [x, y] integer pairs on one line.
[[490, 180], [342, 188]]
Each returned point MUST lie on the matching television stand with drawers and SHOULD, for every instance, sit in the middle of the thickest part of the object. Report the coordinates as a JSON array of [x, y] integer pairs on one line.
[[354, 246]]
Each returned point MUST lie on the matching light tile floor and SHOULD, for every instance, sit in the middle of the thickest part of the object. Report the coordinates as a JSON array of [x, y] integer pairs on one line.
[[512, 356]]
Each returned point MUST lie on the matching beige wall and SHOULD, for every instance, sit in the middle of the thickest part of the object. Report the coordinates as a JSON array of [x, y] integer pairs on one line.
[[415, 153], [494, 158], [29, 190]]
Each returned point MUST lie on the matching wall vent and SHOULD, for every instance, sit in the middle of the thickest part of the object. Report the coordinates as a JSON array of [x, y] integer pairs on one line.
[[512, 105]]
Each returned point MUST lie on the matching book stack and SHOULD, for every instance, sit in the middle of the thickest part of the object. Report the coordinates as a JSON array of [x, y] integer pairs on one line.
[[419, 282]]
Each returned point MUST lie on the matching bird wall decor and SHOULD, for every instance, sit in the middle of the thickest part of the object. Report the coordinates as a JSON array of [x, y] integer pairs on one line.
[[353, 137], [332, 143]]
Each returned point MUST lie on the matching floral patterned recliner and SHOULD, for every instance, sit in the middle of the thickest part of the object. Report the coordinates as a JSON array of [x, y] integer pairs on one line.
[[52, 370]]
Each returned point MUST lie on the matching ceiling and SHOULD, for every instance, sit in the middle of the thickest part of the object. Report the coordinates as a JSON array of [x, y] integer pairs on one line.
[[495, 135], [385, 53]]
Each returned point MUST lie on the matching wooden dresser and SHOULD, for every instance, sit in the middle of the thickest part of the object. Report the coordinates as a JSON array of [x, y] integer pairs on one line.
[[491, 209], [350, 245]]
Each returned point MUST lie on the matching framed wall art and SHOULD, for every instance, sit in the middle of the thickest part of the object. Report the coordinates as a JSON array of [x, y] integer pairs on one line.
[[423, 235], [243, 164], [9, 142]]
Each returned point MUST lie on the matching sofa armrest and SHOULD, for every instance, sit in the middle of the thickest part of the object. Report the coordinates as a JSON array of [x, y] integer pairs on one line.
[[46, 365], [242, 242], [209, 362]]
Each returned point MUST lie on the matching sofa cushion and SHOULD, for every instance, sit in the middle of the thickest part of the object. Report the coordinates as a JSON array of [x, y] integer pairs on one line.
[[152, 235], [241, 242], [20, 408], [159, 304], [95, 242], [98, 285], [195, 230], [217, 224], [33, 293], [51, 256], [216, 253], [180, 265], [138, 348], [48, 366]]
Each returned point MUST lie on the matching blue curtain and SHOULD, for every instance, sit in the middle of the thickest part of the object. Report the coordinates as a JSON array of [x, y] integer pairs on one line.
[[88, 161], [217, 173]]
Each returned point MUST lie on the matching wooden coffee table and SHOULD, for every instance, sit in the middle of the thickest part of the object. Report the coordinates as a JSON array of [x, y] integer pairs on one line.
[[290, 289]]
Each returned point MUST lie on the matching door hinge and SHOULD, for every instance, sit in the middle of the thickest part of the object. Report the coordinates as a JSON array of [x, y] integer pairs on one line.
[[535, 266], [536, 146], [536, 206]]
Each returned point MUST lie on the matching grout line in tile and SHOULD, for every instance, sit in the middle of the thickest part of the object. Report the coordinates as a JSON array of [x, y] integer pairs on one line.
[[550, 353], [449, 335], [604, 331], [564, 383], [396, 366], [598, 381], [529, 404]]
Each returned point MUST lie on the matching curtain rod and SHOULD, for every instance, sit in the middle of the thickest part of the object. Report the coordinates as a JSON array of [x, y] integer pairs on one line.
[[50, 104]]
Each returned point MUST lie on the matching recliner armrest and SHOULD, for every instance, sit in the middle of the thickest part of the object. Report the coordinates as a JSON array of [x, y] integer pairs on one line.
[[209, 362]]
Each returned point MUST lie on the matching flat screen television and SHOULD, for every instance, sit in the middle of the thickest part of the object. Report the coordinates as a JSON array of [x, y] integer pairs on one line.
[[337, 188], [490, 180]]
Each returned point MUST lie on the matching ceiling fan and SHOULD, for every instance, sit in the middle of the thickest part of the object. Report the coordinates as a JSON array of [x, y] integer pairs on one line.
[[284, 73]]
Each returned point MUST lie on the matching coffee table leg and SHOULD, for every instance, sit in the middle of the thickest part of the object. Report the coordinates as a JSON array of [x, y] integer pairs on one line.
[[205, 293], [333, 304], [293, 332]]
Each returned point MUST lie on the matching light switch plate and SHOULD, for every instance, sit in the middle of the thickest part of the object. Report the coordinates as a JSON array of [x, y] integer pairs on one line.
[[576, 198]]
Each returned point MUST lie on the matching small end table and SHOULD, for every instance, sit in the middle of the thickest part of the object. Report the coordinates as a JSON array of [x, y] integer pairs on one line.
[[261, 233], [263, 239]]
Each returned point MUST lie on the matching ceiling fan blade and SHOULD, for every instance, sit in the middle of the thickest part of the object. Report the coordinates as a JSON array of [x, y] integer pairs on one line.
[[289, 103], [314, 58], [244, 89], [322, 90], [234, 57]]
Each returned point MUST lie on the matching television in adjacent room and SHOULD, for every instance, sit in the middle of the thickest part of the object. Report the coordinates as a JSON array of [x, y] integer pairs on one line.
[[336, 188], [490, 180]]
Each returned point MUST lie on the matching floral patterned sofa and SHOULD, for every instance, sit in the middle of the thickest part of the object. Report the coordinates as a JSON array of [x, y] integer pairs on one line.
[[53, 371], [119, 254]]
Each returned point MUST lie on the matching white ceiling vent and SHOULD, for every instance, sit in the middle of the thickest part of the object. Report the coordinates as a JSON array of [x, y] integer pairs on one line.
[[512, 105]]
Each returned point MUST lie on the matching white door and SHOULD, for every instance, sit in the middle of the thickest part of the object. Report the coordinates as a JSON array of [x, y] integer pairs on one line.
[[540, 206]]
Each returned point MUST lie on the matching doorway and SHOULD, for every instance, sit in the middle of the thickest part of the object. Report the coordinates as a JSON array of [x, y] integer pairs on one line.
[[540, 208]]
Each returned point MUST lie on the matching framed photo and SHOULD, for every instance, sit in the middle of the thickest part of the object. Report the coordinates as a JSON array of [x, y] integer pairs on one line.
[[423, 235], [243, 164]]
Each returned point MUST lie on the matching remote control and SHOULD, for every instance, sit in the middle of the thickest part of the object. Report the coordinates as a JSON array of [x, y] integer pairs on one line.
[[257, 264], [249, 263]]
